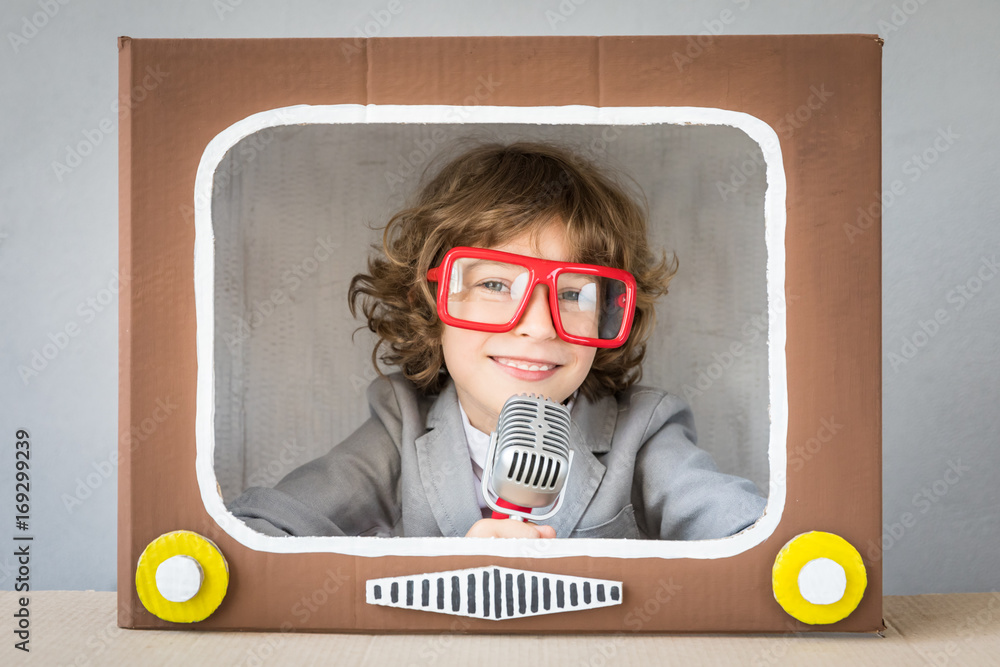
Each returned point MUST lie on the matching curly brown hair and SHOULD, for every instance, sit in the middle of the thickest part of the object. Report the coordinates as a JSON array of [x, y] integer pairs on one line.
[[483, 198]]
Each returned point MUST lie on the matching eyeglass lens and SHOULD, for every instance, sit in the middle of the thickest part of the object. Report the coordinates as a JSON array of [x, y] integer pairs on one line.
[[490, 292]]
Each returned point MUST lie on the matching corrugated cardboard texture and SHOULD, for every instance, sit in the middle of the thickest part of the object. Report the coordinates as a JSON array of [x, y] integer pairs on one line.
[[78, 628], [832, 165]]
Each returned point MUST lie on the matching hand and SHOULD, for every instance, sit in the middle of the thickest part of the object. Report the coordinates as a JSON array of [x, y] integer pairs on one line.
[[509, 528]]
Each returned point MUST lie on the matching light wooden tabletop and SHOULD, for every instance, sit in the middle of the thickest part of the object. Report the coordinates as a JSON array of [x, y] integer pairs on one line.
[[79, 628]]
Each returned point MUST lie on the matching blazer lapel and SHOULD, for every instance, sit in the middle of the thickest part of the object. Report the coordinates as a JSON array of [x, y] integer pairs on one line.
[[445, 468], [447, 479], [593, 424]]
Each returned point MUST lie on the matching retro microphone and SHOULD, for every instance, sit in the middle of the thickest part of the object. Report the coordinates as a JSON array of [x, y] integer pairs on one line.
[[528, 459]]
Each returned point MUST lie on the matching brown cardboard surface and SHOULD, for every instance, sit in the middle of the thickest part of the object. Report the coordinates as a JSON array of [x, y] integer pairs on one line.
[[79, 628], [124, 317], [832, 165]]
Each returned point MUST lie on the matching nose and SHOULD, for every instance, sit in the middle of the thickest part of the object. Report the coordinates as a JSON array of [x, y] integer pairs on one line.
[[536, 322]]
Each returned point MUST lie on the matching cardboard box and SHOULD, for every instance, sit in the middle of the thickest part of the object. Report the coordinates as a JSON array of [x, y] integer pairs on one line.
[[811, 104]]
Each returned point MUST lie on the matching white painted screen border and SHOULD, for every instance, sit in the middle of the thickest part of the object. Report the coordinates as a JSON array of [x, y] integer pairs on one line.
[[204, 284]]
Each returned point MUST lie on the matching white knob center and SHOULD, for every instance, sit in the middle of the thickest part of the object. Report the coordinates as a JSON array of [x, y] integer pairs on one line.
[[179, 578], [822, 581]]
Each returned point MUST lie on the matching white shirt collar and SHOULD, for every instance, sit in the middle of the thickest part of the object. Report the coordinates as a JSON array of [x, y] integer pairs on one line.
[[479, 443]]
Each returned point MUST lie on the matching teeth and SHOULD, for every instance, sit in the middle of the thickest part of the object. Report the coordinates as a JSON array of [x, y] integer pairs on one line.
[[527, 367]]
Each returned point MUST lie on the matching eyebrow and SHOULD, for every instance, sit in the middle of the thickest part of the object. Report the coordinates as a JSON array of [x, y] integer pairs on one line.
[[490, 262]]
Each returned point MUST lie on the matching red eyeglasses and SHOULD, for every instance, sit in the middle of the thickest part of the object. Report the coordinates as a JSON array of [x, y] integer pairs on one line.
[[488, 290]]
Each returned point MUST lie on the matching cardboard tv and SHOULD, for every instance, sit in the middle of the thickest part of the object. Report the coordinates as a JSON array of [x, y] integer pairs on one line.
[[253, 177]]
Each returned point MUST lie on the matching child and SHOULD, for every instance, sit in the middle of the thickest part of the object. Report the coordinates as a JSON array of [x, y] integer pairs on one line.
[[444, 302]]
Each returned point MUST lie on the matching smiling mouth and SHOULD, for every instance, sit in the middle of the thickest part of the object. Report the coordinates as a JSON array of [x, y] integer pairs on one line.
[[525, 365]]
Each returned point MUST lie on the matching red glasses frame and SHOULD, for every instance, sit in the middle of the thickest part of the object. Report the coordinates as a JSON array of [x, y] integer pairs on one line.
[[541, 271]]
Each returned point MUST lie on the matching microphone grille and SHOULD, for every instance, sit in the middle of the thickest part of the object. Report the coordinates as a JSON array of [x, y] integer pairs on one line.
[[528, 419], [533, 437]]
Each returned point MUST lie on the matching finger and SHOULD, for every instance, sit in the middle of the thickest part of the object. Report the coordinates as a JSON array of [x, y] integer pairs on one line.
[[509, 529], [546, 532], [513, 529]]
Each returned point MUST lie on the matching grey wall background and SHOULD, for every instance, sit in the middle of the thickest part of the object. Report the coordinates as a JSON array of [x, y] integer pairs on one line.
[[286, 391], [59, 247]]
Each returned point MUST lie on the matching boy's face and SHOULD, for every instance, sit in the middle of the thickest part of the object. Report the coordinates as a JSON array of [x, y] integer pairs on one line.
[[484, 365]]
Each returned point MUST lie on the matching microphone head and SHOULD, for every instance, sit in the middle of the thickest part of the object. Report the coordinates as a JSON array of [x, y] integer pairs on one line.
[[532, 455]]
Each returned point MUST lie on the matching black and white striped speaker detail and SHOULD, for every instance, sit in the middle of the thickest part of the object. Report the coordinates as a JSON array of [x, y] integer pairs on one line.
[[494, 593]]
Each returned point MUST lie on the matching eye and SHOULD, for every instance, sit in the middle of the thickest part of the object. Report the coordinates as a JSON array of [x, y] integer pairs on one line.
[[495, 286], [570, 295], [581, 298]]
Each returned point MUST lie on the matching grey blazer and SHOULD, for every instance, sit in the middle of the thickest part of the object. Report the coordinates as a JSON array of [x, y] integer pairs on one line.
[[406, 471]]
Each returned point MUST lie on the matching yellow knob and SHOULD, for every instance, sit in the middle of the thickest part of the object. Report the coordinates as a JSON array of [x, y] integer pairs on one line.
[[182, 577], [818, 578]]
